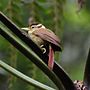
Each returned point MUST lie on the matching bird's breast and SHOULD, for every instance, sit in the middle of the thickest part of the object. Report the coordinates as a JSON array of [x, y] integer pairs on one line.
[[36, 39]]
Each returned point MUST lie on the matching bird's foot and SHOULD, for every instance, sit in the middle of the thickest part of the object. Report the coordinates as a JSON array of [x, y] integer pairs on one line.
[[43, 49]]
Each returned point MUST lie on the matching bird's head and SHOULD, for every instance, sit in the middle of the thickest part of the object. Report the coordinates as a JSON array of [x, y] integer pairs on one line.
[[33, 27], [36, 26]]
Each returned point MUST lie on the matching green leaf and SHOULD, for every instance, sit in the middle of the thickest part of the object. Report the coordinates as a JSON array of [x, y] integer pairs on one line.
[[24, 77]]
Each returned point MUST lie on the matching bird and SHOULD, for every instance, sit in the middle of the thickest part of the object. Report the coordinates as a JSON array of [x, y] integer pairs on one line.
[[45, 39]]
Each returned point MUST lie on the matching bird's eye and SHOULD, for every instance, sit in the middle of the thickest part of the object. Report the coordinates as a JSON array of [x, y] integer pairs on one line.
[[32, 27]]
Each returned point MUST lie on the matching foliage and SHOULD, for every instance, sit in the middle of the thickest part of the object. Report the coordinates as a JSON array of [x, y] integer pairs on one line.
[[54, 14]]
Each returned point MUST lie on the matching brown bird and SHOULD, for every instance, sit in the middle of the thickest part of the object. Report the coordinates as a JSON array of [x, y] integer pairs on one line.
[[44, 38]]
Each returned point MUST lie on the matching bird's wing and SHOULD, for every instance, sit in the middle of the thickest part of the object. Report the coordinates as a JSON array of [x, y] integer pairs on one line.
[[48, 35]]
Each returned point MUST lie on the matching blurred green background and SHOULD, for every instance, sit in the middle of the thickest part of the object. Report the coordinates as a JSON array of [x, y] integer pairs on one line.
[[61, 16]]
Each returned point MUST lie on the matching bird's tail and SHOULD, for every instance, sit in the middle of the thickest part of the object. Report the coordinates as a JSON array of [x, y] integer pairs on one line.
[[51, 58]]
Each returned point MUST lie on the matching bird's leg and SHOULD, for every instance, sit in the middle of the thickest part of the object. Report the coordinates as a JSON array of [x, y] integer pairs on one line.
[[43, 49]]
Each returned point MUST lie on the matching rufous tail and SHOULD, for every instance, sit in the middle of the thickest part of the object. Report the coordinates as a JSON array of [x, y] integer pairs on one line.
[[51, 58]]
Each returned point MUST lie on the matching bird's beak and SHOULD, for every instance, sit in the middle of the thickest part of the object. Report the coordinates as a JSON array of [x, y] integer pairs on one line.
[[25, 29]]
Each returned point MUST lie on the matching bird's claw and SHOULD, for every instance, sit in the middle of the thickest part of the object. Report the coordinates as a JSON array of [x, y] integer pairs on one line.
[[43, 49]]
